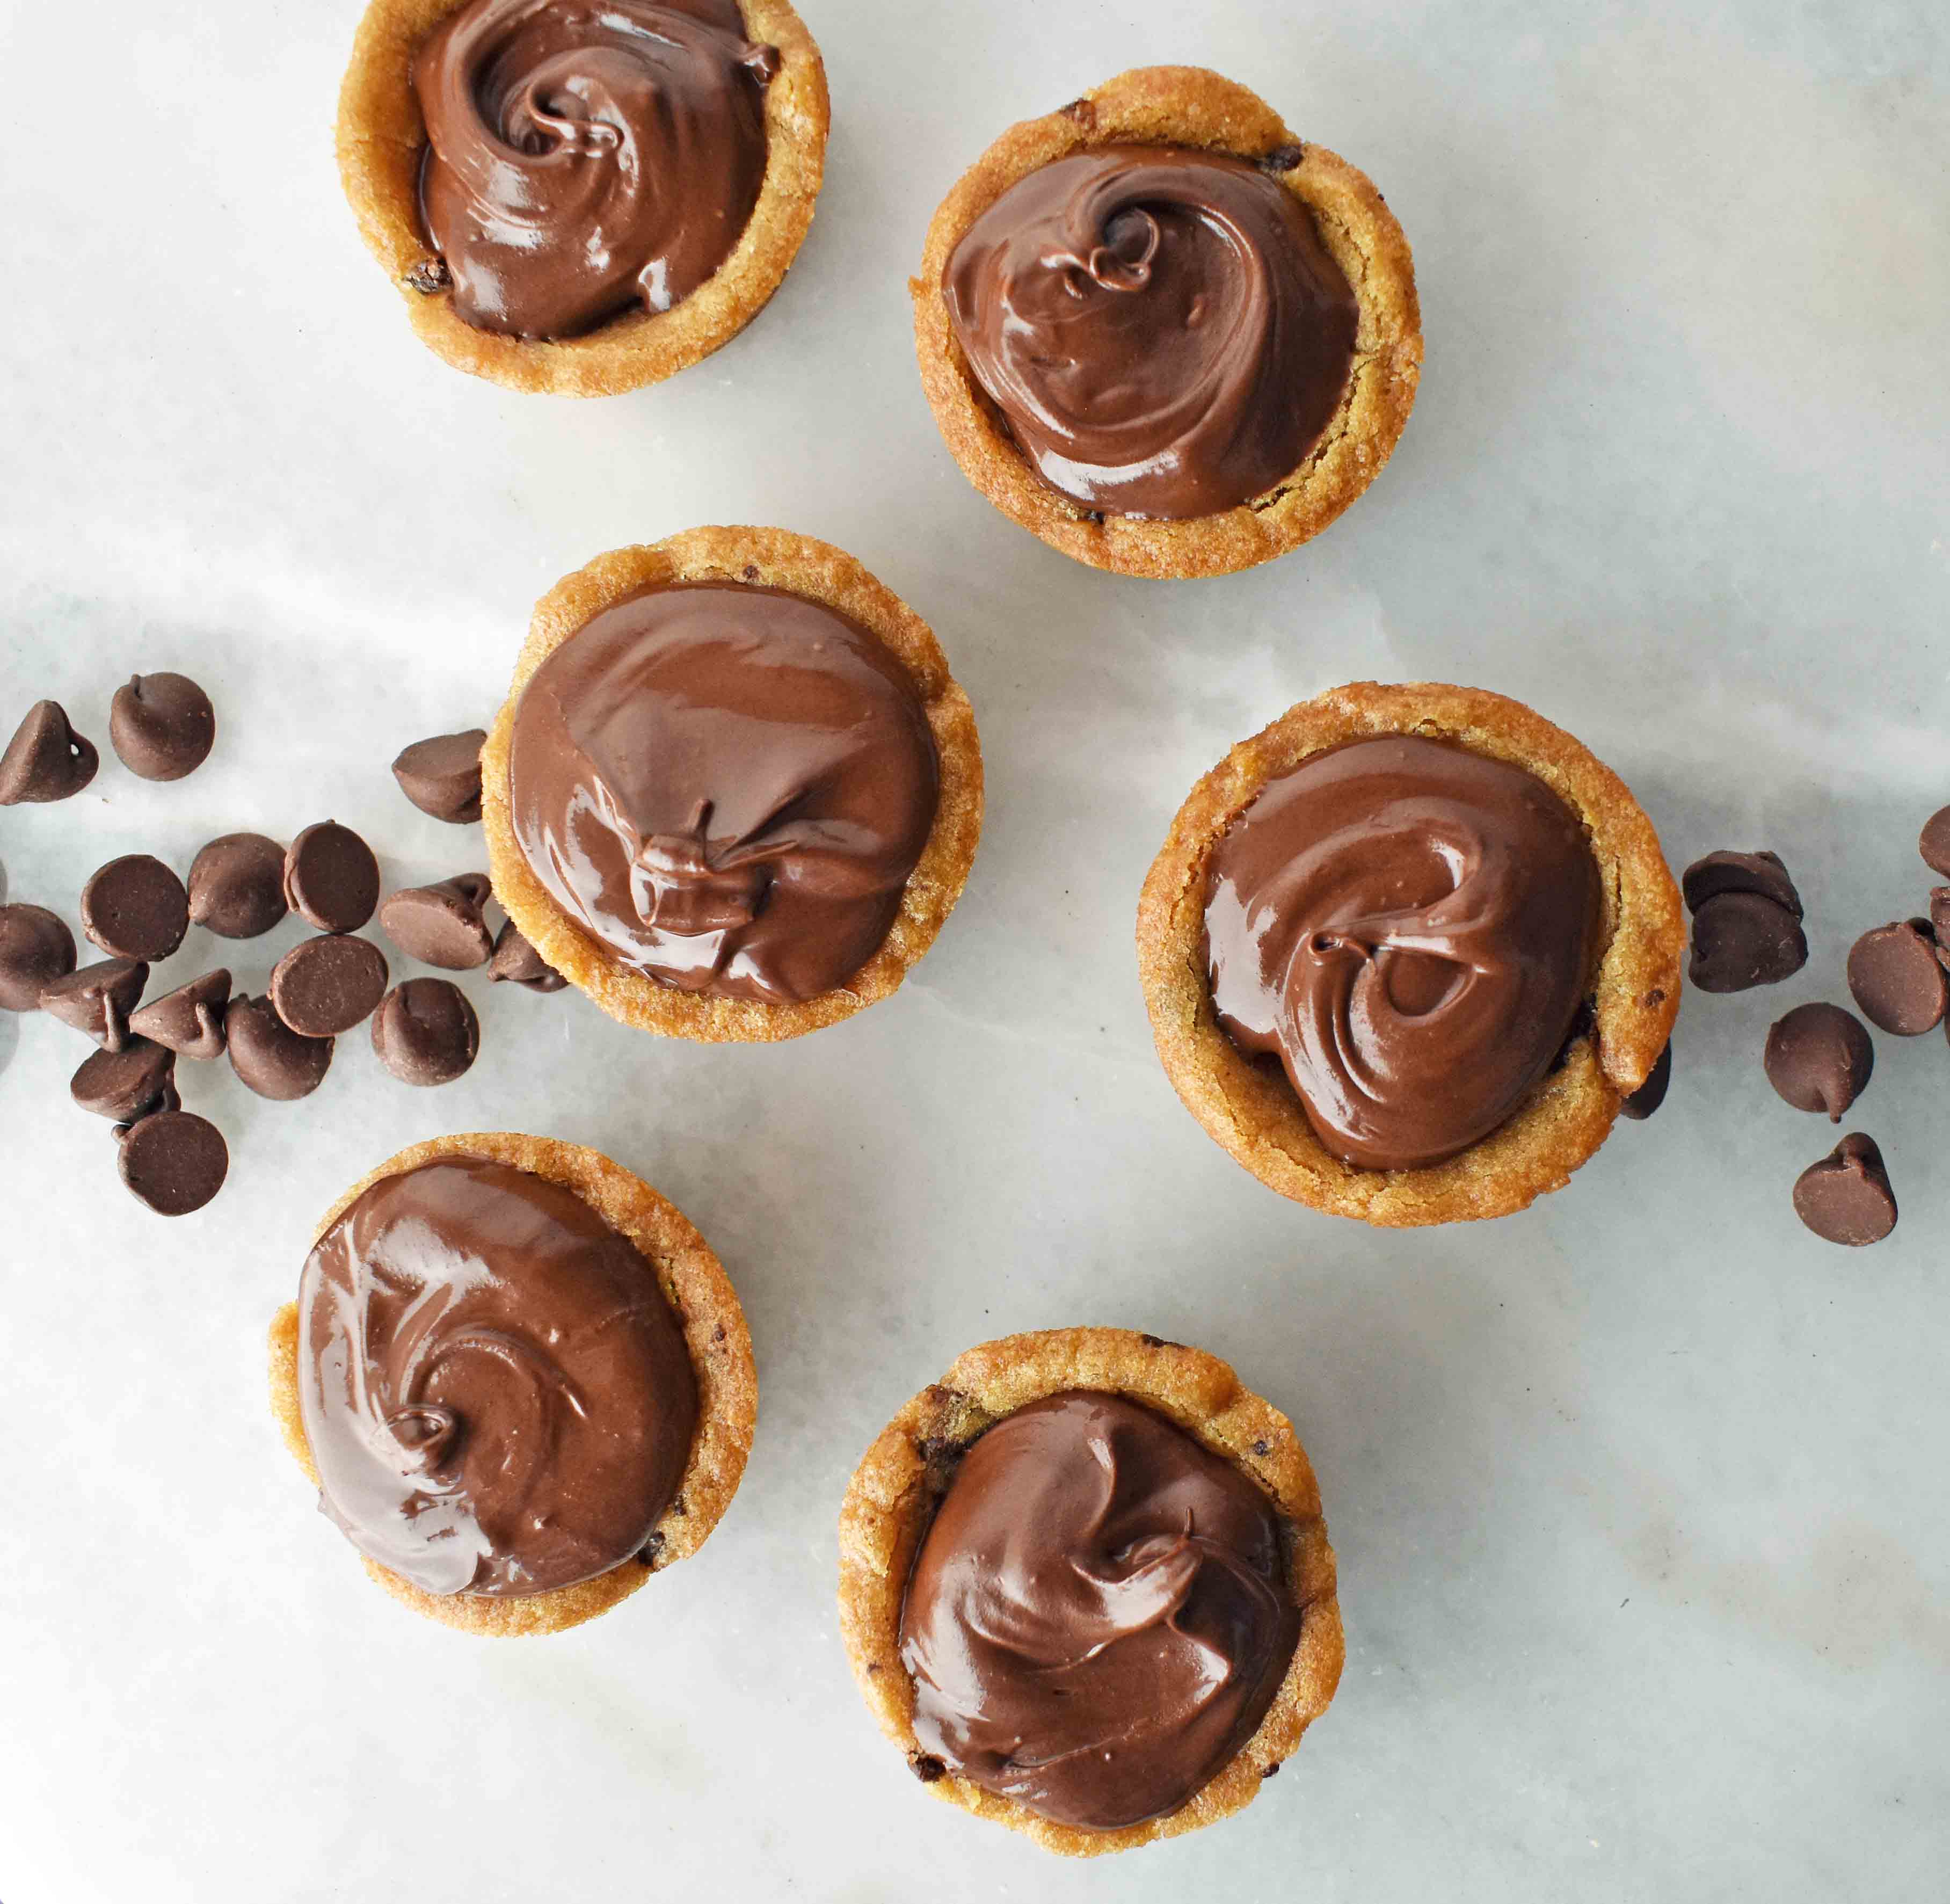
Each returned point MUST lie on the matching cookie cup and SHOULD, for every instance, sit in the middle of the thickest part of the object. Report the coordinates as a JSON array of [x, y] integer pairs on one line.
[[1250, 1109], [818, 572], [706, 1306], [891, 1503], [1185, 105], [382, 137]]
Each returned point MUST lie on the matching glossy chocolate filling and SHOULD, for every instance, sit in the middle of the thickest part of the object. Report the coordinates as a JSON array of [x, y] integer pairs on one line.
[[1162, 327], [1411, 928]]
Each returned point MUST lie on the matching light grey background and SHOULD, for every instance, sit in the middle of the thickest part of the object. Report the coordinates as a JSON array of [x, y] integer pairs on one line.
[[1639, 1498]]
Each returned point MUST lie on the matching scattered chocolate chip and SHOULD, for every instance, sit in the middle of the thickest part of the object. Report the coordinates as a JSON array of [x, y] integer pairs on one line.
[[1898, 979], [328, 984], [270, 1057], [46, 759], [425, 1032], [35, 949], [98, 999], [429, 276], [1933, 843], [1731, 872], [1744, 939], [136, 908], [927, 1767], [441, 925], [125, 1084], [331, 878], [237, 886], [1846, 1197], [162, 726], [517, 962], [1820, 1058], [188, 1020], [1285, 158], [1640, 1104], [175, 1161], [442, 775]]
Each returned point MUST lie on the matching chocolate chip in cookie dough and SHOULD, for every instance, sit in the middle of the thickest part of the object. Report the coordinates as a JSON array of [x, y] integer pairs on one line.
[[328, 984], [1744, 939], [162, 726], [1820, 1058], [441, 925], [1898, 979], [1647, 1099], [516, 962], [425, 1032], [136, 908], [98, 999], [442, 776], [174, 1161], [237, 886], [125, 1084], [1933, 843], [331, 878], [46, 759], [35, 949], [1846, 1197], [268, 1056]]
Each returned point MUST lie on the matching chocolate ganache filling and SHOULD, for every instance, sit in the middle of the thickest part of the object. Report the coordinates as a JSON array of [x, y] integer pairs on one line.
[[728, 786], [496, 1396], [1162, 327], [583, 158], [1099, 1617], [1410, 928]]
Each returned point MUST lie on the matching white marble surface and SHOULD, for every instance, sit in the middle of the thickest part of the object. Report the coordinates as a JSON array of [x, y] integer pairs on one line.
[[1639, 1498]]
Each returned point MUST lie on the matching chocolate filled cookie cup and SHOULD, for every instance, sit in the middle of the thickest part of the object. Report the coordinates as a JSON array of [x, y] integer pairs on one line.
[[520, 1380], [1163, 335], [1407, 952], [576, 200], [734, 791], [1086, 1587]]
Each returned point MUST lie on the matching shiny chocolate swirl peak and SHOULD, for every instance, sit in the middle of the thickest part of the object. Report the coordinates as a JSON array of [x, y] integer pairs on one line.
[[1162, 327], [1099, 1617], [1411, 928], [496, 1396], [586, 158]]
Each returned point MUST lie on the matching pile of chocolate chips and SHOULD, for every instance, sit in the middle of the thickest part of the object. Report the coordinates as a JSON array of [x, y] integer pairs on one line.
[[137, 911], [1747, 931]]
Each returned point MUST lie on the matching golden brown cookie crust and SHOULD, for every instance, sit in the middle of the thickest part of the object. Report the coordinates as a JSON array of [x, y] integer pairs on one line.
[[819, 572], [1185, 105], [899, 1482], [381, 135], [706, 1306], [1252, 1110]]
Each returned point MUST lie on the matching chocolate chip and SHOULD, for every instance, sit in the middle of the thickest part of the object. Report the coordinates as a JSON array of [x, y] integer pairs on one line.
[[517, 962], [425, 1032], [237, 886], [1939, 920], [1897, 979], [328, 984], [175, 1161], [331, 878], [270, 1057], [1285, 158], [1820, 1058], [1933, 843], [1262, 1448], [1084, 111], [429, 276], [1266, 1771], [98, 999], [1639, 1104], [1846, 1197], [441, 925], [125, 1084], [35, 949], [442, 775], [162, 726], [1742, 939], [189, 1021], [136, 908], [46, 759], [927, 1767], [1732, 872]]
